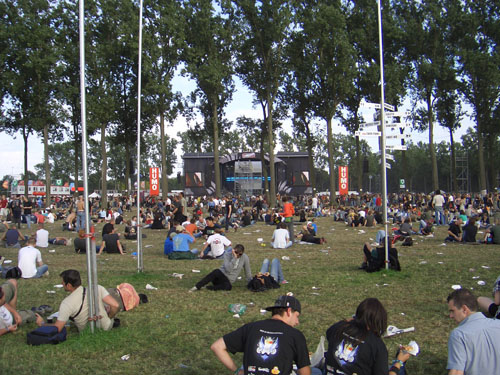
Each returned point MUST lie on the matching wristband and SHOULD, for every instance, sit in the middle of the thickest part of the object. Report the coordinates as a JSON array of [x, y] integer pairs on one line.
[[401, 363], [394, 369]]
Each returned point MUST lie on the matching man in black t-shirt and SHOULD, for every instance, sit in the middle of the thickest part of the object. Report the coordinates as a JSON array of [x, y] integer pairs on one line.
[[269, 346], [111, 243], [210, 227], [27, 205], [455, 231], [16, 210]]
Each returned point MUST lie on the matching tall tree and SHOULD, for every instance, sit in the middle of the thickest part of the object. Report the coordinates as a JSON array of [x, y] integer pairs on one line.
[[477, 37], [333, 68], [163, 39], [29, 75], [265, 29], [208, 60]]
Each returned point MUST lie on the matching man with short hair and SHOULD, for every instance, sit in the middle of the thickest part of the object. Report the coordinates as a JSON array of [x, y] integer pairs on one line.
[[75, 306], [30, 261], [111, 243], [80, 213], [215, 245], [16, 210], [474, 346], [438, 202], [270, 346], [281, 237], [455, 231], [13, 237], [42, 236]]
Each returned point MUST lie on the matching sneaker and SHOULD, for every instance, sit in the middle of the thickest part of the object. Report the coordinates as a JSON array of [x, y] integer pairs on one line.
[[193, 289], [284, 282]]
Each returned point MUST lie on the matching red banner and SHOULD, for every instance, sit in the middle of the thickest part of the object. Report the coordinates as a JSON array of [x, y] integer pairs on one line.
[[154, 181], [343, 181]]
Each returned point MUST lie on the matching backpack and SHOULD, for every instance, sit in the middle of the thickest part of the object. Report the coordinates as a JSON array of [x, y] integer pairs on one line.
[[11, 273], [46, 335], [129, 296], [376, 264], [408, 241], [261, 283]]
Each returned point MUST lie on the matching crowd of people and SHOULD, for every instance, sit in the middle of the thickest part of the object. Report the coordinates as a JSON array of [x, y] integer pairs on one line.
[[272, 345]]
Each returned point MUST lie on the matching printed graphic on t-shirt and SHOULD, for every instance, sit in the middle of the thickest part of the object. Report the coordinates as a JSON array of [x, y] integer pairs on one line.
[[346, 353], [267, 347]]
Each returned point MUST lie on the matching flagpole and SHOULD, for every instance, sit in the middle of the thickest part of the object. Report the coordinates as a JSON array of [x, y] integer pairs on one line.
[[140, 261], [91, 255], [382, 134]]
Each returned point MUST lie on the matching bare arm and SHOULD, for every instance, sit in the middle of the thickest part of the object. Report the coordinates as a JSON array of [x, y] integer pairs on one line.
[[113, 305], [15, 314], [304, 371], [120, 248], [455, 372], [11, 328], [497, 298], [59, 323], [220, 350]]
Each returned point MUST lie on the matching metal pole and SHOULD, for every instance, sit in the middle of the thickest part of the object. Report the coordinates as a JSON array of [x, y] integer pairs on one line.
[[91, 256], [382, 134], [140, 262]]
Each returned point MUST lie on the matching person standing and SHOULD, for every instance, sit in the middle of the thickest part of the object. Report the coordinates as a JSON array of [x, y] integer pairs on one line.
[[27, 206], [80, 214], [287, 214], [438, 203], [228, 211], [16, 210], [269, 346]]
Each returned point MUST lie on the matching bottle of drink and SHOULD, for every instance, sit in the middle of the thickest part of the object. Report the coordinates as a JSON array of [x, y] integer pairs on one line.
[[237, 308]]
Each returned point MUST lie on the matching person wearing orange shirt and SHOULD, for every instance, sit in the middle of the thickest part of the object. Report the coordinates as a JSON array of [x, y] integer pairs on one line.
[[287, 214]]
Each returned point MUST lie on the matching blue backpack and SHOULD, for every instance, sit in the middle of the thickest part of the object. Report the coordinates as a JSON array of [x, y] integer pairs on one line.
[[46, 335]]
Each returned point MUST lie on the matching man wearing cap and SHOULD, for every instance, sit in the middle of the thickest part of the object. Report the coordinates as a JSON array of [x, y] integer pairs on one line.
[[182, 240], [269, 346]]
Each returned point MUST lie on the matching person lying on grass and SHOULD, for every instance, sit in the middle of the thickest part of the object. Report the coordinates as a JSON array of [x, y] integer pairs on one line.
[[10, 318]]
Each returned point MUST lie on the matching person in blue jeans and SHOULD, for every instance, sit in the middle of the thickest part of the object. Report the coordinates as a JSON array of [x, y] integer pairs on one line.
[[275, 271]]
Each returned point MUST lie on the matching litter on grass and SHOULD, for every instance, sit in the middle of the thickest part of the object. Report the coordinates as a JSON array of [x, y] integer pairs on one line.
[[7, 261], [51, 291], [443, 244], [485, 267], [314, 293], [423, 262], [58, 286], [150, 287], [393, 330], [481, 282], [196, 271], [475, 277], [289, 294], [125, 357], [52, 251], [315, 288], [148, 246], [260, 239], [178, 275], [440, 262], [456, 287], [246, 233], [284, 257], [439, 253]]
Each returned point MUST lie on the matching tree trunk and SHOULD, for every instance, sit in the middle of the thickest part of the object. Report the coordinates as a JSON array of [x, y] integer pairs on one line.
[[164, 177], [454, 183], [331, 165], [359, 166], [25, 138], [262, 153], [432, 151], [47, 164], [104, 166], [272, 184], [216, 149], [312, 172], [128, 158], [480, 145]]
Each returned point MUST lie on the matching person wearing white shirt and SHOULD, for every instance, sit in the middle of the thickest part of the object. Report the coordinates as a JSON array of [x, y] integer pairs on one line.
[[30, 261], [42, 236], [281, 237], [214, 247]]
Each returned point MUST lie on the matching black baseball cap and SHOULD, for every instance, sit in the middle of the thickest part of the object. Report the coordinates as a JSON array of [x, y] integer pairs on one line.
[[286, 301]]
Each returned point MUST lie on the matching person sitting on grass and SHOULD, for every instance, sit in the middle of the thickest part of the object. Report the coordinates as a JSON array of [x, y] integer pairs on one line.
[[182, 240], [491, 306], [355, 345], [75, 307], [214, 246], [455, 231], [224, 277], [30, 261], [470, 231], [13, 237], [281, 237], [111, 243], [373, 258], [10, 318], [492, 234]]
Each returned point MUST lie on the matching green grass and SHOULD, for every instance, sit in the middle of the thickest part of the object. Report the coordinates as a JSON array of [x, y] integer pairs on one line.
[[180, 343]]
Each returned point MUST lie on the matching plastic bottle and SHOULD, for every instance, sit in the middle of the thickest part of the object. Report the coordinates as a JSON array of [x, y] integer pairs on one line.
[[237, 308]]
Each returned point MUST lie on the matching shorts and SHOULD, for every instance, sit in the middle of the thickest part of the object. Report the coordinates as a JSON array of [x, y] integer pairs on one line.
[[9, 291], [494, 311]]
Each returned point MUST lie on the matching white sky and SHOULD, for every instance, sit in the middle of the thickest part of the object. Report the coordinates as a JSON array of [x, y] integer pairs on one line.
[[12, 149]]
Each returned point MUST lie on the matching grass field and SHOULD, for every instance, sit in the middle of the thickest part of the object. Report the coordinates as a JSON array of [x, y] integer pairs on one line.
[[173, 332]]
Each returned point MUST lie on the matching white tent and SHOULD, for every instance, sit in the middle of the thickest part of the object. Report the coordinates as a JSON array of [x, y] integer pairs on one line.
[[94, 195]]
